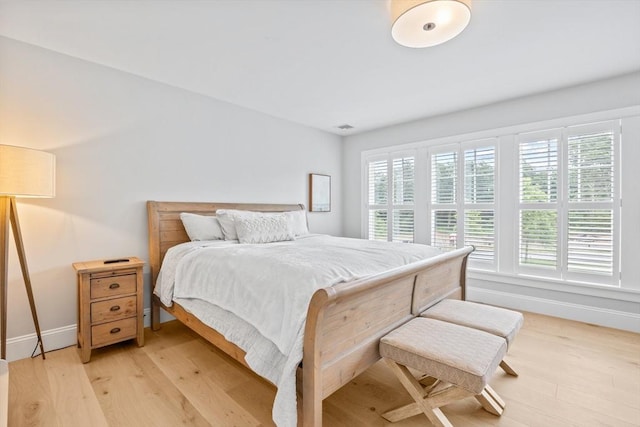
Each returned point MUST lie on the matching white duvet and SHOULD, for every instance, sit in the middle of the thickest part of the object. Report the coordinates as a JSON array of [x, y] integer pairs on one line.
[[257, 295]]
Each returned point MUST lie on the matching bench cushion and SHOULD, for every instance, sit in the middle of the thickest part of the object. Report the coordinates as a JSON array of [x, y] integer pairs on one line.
[[494, 320], [456, 354]]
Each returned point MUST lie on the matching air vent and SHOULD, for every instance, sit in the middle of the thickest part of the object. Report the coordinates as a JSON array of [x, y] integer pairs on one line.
[[345, 127]]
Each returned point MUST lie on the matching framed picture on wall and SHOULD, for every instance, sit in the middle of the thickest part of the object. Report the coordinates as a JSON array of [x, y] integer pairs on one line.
[[319, 193]]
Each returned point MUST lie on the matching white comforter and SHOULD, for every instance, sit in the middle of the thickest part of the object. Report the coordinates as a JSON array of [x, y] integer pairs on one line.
[[269, 287]]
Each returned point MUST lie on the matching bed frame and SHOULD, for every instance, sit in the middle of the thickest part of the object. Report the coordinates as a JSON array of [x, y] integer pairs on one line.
[[344, 322]]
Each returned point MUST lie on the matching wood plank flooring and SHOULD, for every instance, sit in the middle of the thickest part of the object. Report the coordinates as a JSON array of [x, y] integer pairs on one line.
[[571, 374]]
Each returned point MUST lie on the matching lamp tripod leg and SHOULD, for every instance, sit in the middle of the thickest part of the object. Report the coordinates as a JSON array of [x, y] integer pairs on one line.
[[4, 269], [17, 234]]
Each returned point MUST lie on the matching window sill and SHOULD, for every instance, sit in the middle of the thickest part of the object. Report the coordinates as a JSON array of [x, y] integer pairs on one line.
[[602, 291]]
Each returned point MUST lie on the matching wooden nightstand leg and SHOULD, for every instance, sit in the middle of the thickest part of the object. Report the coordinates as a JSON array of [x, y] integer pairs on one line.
[[140, 307], [84, 310], [85, 354], [140, 334]]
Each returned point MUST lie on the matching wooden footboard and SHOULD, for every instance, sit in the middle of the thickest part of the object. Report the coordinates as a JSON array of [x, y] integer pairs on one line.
[[344, 322]]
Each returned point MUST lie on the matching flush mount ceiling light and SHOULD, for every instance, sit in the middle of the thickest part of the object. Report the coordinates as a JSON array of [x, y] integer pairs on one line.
[[425, 23]]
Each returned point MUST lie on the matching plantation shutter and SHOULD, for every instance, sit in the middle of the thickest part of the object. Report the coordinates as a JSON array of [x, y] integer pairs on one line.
[[479, 202], [444, 215], [403, 199], [590, 245], [391, 197], [569, 206], [378, 190], [538, 194]]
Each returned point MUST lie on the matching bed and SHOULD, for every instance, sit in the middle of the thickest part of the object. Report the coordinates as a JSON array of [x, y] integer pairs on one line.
[[343, 322]]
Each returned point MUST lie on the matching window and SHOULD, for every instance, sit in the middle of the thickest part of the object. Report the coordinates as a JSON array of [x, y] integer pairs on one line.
[[403, 193], [444, 200], [592, 195], [542, 204], [378, 202], [463, 198], [568, 203], [391, 199], [479, 202], [538, 197]]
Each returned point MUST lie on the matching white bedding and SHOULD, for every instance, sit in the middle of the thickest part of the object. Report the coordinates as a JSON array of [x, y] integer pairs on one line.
[[260, 293]]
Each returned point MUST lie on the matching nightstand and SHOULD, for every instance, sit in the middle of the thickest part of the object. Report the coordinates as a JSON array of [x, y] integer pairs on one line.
[[109, 303]]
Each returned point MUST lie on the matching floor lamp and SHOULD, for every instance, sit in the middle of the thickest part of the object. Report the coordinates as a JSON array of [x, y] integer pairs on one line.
[[23, 173]]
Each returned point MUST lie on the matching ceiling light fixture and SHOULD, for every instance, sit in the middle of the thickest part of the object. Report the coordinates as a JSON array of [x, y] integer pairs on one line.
[[425, 23]]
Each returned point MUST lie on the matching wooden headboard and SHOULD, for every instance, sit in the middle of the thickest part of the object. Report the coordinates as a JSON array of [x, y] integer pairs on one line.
[[166, 229]]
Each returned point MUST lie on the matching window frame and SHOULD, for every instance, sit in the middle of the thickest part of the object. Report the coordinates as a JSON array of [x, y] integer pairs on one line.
[[528, 137], [390, 207], [625, 230], [493, 206], [431, 206], [460, 205], [614, 204], [562, 206]]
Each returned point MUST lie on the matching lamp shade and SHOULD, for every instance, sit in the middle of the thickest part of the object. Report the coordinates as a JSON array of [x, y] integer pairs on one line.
[[26, 173], [425, 23]]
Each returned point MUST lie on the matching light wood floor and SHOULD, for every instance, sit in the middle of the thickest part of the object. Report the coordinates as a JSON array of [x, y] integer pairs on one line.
[[571, 374]]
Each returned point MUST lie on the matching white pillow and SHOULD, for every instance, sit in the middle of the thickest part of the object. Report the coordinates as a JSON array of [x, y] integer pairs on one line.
[[298, 220], [227, 223], [263, 228], [201, 227], [227, 217]]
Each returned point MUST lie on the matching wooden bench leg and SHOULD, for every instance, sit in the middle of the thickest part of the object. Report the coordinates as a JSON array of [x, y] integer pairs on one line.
[[495, 396], [508, 369], [489, 399], [416, 391], [428, 381], [428, 400], [406, 411], [488, 403]]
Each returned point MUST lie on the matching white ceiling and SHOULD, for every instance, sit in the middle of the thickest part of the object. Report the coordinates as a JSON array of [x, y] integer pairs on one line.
[[324, 63]]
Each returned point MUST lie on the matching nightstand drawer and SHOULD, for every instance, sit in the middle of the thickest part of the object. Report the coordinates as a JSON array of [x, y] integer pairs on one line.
[[113, 286], [113, 309], [112, 332]]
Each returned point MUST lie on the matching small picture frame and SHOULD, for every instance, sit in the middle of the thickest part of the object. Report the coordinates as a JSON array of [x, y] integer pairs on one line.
[[319, 193]]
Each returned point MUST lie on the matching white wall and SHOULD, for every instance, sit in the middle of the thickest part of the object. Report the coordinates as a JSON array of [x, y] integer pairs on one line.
[[610, 307], [121, 140]]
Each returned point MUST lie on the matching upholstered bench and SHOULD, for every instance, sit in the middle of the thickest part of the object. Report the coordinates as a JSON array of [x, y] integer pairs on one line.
[[461, 360], [494, 320]]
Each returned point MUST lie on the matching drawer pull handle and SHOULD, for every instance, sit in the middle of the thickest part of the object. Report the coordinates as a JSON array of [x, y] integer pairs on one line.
[[114, 331], [115, 308], [114, 286]]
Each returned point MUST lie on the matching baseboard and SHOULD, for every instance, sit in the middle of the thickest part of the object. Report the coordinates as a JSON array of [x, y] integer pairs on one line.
[[55, 339], [582, 313]]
